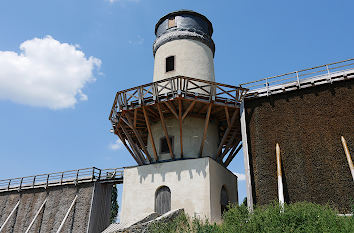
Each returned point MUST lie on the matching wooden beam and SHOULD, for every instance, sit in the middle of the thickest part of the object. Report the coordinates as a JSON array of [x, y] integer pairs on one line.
[[180, 125], [203, 108], [206, 124], [227, 115], [188, 109], [228, 146], [131, 142], [135, 116], [232, 154], [163, 124], [141, 142], [171, 109], [137, 159], [150, 134], [226, 134], [246, 156], [152, 112]]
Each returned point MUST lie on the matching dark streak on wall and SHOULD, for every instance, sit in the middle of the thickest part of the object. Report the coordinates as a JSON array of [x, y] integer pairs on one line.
[[307, 124]]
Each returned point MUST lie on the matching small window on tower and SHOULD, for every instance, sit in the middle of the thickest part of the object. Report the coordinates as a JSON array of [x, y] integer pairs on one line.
[[164, 145], [171, 22], [170, 63]]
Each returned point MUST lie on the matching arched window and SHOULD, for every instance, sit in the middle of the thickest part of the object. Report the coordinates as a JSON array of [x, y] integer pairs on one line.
[[162, 200], [224, 199]]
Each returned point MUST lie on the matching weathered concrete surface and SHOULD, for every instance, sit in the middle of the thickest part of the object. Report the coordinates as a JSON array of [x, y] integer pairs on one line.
[[143, 225], [195, 186], [307, 124], [59, 199]]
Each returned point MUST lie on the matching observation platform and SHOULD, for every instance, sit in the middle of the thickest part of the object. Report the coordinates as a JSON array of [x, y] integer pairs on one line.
[[136, 109]]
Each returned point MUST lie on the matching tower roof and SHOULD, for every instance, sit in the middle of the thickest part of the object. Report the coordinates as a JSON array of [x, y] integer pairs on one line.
[[184, 12]]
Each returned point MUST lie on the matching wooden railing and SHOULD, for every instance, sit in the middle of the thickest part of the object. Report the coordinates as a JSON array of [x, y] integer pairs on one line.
[[61, 178], [324, 72], [173, 87]]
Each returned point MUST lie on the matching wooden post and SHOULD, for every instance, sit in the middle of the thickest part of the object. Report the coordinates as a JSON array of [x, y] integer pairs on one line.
[[180, 125], [246, 157], [206, 124], [163, 124], [346, 150], [280, 180], [150, 134]]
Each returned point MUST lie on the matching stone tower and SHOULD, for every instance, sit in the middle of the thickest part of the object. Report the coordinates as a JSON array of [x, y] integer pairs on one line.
[[182, 129]]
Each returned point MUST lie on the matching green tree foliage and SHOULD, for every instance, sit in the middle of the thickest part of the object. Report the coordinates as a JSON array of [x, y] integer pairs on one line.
[[298, 217], [114, 204]]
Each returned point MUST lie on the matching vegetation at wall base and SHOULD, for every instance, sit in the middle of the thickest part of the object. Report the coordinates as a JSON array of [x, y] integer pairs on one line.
[[114, 205], [297, 217]]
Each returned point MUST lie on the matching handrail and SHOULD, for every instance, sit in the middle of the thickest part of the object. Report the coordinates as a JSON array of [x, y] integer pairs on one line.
[[61, 178], [298, 71], [177, 86]]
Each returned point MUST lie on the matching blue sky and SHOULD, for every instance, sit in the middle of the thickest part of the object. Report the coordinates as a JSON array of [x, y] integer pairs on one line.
[[85, 51]]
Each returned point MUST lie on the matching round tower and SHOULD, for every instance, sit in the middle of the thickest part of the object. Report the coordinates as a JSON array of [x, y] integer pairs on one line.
[[184, 46], [183, 129]]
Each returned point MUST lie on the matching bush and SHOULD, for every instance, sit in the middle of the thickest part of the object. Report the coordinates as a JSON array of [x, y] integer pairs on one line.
[[298, 217]]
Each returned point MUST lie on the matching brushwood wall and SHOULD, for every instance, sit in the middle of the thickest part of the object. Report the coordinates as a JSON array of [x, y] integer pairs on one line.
[[90, 213], [307, 124]]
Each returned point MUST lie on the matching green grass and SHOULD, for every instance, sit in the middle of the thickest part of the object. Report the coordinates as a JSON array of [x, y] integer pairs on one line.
[[298, 217]]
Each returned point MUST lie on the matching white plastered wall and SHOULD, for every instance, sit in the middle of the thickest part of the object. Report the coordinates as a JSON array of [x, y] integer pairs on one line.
[[192, 134], [192, 59], [191, 183]]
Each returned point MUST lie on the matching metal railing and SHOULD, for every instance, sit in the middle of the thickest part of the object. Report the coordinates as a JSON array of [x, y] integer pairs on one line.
[[178, 86], [61, 178], [328, 71]]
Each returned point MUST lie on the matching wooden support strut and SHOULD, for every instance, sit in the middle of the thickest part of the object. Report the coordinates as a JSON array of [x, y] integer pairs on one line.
[[227, 115], [180, 125], [226, 134], [163, 124], [140, 140], [136, 158], [188, 109], [131, 142], [67, 215], [8, 218], [35, 217], [150, 134], [171, 109], [232, 154], [206, 124]]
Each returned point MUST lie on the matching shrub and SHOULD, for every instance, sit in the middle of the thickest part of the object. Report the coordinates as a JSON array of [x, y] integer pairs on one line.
[[297, 217]]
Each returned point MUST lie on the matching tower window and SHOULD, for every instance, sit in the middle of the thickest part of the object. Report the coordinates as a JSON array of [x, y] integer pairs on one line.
[[170, 63], [164, 145], [171, 22]]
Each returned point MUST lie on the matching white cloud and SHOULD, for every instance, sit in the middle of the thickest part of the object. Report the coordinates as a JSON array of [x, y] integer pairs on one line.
[[117, 145], [240, 176], [46, 73]]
